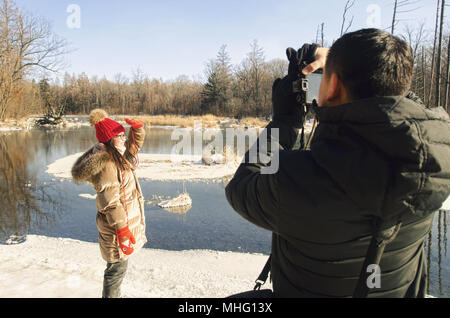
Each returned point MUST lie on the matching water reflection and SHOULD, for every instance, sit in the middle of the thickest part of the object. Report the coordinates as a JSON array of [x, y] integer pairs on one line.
[[21, 194], [438, 266], [180, 212]]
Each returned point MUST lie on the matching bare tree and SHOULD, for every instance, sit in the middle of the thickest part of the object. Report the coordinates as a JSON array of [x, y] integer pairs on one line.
[[27, 44], [438, 58], [317, 34], [447, 77], [414, 37], [424, 67], [393, 17], [401, 6], [255, 60], [139, 87], [348, 6], [322, 34], [121, 82], [277, 68], [433, 57]]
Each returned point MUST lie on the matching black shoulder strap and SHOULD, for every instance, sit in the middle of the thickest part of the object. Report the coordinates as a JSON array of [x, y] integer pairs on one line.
[[264, 274], [379, 240]]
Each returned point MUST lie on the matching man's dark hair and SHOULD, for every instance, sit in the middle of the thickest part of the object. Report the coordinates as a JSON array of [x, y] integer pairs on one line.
[[371, 62]]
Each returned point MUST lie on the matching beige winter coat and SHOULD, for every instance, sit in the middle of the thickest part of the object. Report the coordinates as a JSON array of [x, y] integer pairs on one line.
[[98, 169]]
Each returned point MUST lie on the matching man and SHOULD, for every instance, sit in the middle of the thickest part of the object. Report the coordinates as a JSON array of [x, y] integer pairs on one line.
[[376, 157]]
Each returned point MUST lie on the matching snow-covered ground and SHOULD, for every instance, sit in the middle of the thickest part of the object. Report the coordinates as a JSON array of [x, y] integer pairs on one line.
[[44, 267], [61, 267], [159, 167]]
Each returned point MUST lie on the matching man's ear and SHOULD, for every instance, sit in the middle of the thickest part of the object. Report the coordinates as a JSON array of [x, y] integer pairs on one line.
[[336, 93], [333, 88]]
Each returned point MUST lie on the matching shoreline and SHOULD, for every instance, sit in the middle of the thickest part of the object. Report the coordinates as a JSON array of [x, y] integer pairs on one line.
[[151, 121]]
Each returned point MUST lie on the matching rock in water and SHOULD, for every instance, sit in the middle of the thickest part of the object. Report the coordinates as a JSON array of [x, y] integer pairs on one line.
[[182, 200]]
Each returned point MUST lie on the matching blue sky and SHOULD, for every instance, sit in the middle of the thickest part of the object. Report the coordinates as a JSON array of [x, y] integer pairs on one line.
[[168, 38]]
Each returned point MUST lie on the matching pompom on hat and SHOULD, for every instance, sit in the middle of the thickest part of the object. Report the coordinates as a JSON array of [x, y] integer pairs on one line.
[[105, 128]]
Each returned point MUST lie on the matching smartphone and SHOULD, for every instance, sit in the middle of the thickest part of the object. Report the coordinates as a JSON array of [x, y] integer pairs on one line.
[[311, 87], [308, 87]]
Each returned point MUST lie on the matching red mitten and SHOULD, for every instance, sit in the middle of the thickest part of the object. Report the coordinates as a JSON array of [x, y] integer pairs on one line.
[[136, 124], [124, 236]]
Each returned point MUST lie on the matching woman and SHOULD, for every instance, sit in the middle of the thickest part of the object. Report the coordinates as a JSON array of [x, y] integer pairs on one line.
[[109, 166]]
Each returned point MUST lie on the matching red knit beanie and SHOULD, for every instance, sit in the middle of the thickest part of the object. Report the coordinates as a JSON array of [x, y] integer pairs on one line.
[[105, 128]]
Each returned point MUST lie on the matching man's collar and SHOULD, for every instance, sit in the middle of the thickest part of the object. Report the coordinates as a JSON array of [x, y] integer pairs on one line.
[[365, 110]]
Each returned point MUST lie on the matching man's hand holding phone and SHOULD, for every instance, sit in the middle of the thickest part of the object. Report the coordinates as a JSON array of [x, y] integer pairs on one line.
[[321, 59]]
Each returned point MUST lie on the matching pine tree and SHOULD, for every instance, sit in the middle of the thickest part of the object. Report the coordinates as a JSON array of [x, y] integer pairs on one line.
[[217, 94]]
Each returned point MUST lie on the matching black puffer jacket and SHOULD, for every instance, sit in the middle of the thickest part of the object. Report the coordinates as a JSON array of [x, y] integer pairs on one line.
[[381, 157]]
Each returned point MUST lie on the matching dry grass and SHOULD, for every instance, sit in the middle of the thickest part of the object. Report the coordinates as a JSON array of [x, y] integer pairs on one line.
[[179, 121], [253, 121], [208, 121]]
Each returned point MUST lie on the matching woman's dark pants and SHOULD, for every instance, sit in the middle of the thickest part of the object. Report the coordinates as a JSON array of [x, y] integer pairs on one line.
[[114, 274]]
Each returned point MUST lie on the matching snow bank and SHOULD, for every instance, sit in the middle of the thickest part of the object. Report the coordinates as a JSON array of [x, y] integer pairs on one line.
[[5, 129], [60, 267], [160, 167], [88, 196]]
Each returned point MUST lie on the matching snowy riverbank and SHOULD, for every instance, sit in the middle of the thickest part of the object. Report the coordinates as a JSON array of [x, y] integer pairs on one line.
[[66, 268], [44, 267], [173, 122], [160, 167]]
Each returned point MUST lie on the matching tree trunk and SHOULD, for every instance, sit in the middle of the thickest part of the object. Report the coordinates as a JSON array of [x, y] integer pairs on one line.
[[447, 84], [438, 62], [321, 33], [393, 17], [423, 75], [433, 57]]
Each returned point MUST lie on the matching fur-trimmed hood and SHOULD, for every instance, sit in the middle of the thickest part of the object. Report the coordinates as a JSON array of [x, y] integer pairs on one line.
[[90, 164]]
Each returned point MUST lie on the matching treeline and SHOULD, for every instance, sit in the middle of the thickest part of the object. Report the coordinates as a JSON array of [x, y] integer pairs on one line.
[[431, 79], [230, 90], [240, 90], [27, 44]]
